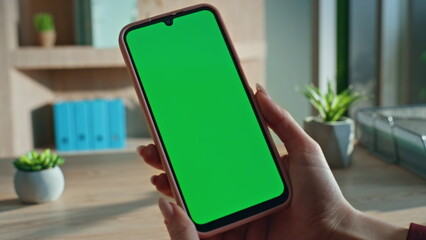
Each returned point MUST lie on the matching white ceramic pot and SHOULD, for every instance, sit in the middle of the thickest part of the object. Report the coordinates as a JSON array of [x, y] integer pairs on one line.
[[335, 138], [39, 186]]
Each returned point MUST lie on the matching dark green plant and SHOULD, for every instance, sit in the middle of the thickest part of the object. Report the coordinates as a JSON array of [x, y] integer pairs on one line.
[[331, 106], [43, 22], [423, 57], [34, 161]]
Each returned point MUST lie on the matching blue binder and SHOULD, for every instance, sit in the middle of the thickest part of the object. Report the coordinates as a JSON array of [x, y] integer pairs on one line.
[[64, 126], [99, 124], [117, 123], [82, 125]]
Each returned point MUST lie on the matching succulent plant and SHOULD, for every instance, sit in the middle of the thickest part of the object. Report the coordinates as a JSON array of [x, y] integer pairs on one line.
[[330, 105], [43, 22], [34, 161]]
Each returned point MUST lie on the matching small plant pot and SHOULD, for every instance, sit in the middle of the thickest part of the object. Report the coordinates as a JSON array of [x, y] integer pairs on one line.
[[47, 38], [39, 186], [335, 138]]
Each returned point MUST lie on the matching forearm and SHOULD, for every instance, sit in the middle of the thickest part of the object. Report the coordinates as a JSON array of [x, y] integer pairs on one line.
[[359, 225]]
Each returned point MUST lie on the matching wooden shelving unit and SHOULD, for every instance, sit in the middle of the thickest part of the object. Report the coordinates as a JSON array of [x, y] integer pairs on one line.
[[32, 77]]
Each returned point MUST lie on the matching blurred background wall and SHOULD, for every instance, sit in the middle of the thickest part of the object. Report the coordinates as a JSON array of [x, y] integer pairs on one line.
[[289, 54]]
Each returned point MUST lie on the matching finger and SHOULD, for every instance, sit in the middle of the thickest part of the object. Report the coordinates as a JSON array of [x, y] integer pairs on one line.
[[178, 224], [236, 233], [282, 123], [162, 184], [151, 156], [257, 230], [215, 237]]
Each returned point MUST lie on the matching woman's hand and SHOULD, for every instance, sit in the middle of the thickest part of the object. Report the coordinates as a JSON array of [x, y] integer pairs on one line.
[[316, 210]]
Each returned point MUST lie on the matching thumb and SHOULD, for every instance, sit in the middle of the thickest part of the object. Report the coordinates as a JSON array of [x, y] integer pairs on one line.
[[178, 224], [283, 124]]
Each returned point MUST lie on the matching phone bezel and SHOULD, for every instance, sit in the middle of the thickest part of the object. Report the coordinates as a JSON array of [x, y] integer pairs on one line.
[[236, 218]]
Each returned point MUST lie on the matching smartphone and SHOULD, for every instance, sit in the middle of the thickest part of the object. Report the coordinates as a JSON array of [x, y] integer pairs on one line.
[[214, 145]]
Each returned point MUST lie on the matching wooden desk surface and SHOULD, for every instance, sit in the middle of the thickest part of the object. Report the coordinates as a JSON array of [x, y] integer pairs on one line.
[[108, 196], [384, 190]]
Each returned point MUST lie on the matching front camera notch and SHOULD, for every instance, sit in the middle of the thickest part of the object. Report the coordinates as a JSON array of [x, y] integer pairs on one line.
[[168, 21]]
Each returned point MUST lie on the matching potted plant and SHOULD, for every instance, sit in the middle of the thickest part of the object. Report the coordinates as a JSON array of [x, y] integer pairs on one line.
[[38, 177], [45, 28], [331, 130]]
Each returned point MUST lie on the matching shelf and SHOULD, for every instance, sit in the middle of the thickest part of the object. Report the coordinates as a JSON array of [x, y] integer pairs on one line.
[[67, 57], [131, 145], [74, 57]]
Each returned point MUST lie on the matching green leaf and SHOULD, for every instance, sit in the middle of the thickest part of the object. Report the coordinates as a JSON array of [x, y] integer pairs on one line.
[[338, 115], [25, 159], [36, 168], [47, 152], [313, 94], [48, 160], [45, 164], [331, 106], [60, 161], [43, 159], [330, 95], [423, 57], [54, 160], [320, 109], [34, 155], [43, 22]]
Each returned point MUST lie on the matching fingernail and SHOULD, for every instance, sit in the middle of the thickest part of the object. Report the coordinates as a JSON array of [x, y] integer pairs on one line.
[[260, 88], [154, 179], [166, 209]]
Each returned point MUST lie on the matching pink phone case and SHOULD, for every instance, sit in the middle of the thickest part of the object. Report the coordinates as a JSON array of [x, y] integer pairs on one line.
[[156, 138]]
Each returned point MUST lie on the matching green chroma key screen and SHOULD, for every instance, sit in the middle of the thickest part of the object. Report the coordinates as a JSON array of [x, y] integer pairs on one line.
[[212, 137]]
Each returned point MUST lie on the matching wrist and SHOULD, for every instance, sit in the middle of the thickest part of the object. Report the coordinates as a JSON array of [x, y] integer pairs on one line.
[[357, 225]]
